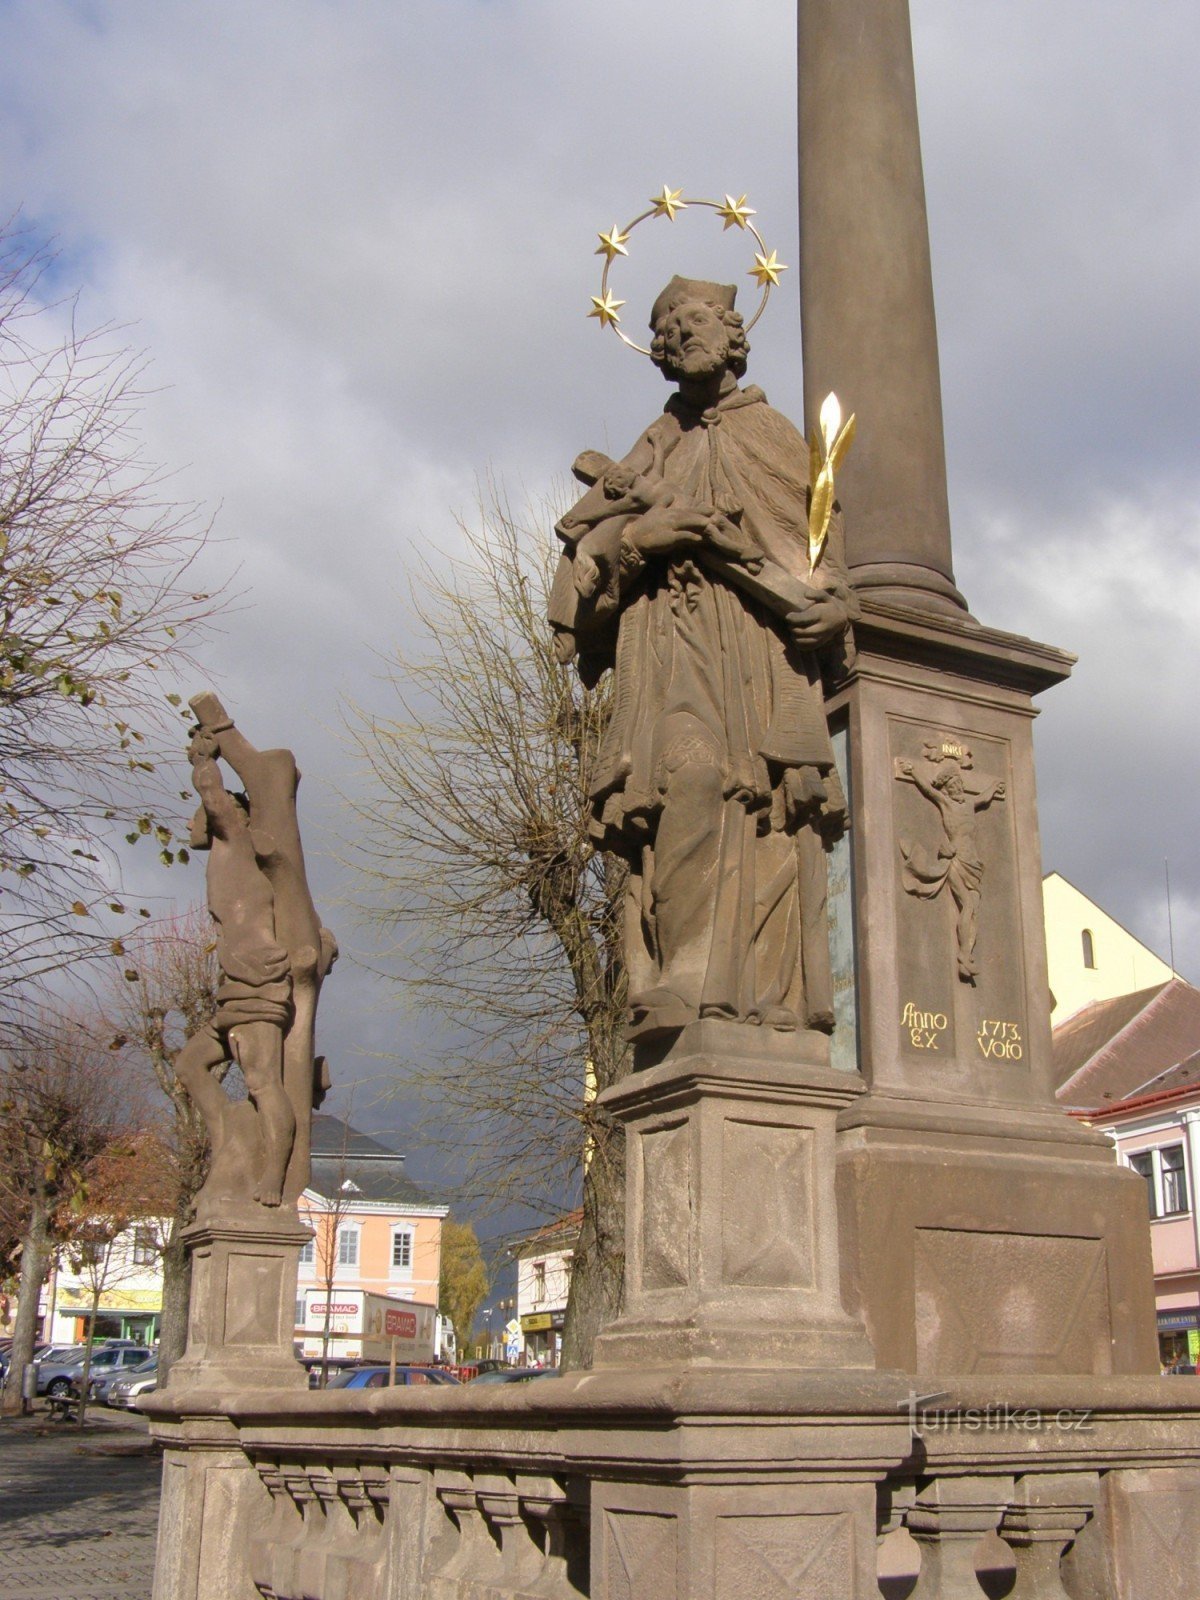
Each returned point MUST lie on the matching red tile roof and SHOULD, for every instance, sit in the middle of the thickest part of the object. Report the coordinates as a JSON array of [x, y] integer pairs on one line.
[[1114, 1050]]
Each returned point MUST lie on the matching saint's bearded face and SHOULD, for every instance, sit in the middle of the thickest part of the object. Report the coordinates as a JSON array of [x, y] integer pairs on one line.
[[695, 341]]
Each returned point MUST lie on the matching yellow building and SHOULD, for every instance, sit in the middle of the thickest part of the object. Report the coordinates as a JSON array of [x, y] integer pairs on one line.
[[1090, 955]]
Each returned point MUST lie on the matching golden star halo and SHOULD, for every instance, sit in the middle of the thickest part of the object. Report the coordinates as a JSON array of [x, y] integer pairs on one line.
[[668, 203], [612, 243], [767, 268], [735, 213], [605, 308]]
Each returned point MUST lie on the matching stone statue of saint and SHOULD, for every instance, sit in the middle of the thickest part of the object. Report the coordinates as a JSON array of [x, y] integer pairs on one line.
[[273, 954], [686, 571]]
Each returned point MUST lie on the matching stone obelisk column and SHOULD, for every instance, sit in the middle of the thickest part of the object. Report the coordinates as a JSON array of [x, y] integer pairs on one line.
[[981, 1230], [867, 293]]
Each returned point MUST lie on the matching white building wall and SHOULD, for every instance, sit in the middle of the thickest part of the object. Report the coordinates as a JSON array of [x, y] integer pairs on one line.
[[547, 1289]]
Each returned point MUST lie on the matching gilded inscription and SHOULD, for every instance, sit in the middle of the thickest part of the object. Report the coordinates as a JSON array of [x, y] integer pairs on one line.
[[1000, 1041], [924, 1028]]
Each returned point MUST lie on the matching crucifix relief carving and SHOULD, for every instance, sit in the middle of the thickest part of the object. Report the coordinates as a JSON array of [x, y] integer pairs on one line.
[[957, 865]]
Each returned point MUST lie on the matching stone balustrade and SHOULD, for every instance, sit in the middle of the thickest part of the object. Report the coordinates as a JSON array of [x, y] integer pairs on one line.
[[653, 1487]]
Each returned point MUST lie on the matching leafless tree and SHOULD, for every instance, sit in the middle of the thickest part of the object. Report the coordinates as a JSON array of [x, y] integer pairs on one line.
[[162, 989], [130, 1180], [477, 863], [96, 590], [58, 1110], [337, 1202]]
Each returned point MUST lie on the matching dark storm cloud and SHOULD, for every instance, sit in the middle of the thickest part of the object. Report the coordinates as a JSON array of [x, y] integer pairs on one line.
[[358, 243]]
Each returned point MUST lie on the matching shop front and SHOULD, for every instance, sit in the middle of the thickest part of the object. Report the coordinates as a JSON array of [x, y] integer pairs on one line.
[[1179, 1338], [542, 1331], [122, 1314]]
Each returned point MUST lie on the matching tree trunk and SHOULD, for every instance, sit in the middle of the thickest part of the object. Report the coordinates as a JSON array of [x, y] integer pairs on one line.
[[598, 1274], [97, 1290], [35, 1260], [177, 1291]]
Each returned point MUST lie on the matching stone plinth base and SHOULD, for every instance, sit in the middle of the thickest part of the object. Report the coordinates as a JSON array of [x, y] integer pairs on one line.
[[993, 1240], [242, 1317], [213, 1501], [675, 1485], [731, 1232]]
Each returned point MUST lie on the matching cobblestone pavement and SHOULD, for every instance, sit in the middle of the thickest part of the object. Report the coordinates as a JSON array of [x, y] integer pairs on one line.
[[78, 1513]]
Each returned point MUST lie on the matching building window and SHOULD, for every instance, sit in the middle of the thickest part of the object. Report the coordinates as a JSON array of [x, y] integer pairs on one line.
[[1166, 1179], [1174, 1180], [347, 1247], [1143, 1164], [299, 1313], [1089, 949], [402, 1250], [539, 1280], [308, 1252], [145, 1247]]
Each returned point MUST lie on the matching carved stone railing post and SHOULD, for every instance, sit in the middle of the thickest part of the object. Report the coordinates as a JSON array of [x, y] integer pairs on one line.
[[265, 1551], [547, 1504], [476, 1557], [1044, 1516], [521, 1557], [949, 1518], [894, 1499]]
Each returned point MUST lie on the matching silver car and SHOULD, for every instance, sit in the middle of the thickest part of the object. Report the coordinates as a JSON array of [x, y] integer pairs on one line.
[[125, 1392], [59, 1377]]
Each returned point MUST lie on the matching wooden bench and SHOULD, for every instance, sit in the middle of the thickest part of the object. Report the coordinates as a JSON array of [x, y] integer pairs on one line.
[[63, 1407]]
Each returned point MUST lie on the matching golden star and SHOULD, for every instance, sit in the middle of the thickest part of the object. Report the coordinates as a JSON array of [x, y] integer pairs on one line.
[[735, 212], [612, 244], [605, 307], [767, 269], [668, 203]]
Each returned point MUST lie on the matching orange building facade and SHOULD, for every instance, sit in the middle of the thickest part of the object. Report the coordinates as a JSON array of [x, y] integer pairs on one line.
[[373, 1228]]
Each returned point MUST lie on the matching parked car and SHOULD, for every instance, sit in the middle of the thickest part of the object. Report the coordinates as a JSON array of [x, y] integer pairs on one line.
[[100, 1387], [333, 1367], [59, 1377], [516, 1374], [125, 1392], [59, 1352], [377, 1377]]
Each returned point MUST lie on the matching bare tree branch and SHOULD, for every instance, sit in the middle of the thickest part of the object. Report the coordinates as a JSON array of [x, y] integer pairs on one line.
[[97, 595], [479, 872]]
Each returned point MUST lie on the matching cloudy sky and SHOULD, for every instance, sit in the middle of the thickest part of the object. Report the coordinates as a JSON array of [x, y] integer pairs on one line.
[[356, 240]]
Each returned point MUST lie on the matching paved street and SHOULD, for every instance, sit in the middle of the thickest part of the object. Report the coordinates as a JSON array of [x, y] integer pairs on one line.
[[77, 1513]]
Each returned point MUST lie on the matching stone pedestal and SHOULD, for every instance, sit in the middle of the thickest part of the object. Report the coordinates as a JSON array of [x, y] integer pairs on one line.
[[983, 1230], [242, 1317], [213, 1503], [241, 1327], [731, 1231]]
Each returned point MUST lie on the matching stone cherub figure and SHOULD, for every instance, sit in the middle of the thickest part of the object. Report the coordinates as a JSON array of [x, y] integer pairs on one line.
[[686, 572], [273, 954], [623, 532], [959, 862]]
